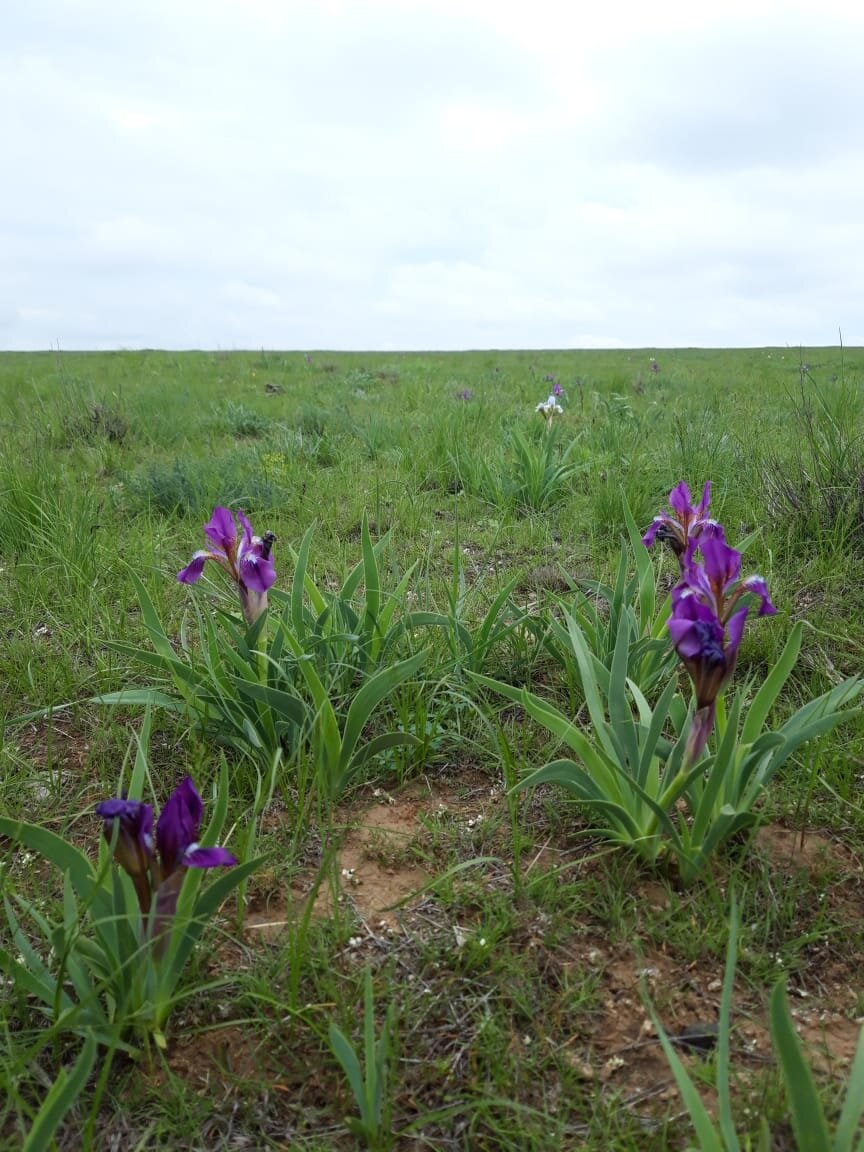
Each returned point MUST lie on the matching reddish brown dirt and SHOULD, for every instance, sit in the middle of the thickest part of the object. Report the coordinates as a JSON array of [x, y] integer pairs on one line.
[[384, 872], [377, 873], [381, 880]]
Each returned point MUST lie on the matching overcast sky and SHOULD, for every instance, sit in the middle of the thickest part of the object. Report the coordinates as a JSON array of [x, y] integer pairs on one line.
[[402, 174]]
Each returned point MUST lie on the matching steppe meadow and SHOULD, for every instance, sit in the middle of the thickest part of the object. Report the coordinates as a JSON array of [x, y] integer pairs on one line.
[[432, 751]]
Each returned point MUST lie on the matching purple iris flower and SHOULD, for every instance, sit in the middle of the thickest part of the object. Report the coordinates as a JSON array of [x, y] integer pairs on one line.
[[247, 560], [717, 580], [134, 848], [157, 867], [709, 611], [549, 409], [685, 524], [466, 394], [177, 832], [709, 651]]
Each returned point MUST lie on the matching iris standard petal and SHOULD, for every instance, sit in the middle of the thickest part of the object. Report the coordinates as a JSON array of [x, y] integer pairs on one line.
[[705, 502], [722, 563], [680, 499], [221, 530], [193, 569], [178, 825], [254, 566], [248, 535], [708, 528]]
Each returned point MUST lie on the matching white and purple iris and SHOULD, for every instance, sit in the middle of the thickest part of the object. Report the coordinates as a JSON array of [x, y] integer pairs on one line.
[[688, 521], [246, 560], [550, 408], [709, 609], [158, 864]]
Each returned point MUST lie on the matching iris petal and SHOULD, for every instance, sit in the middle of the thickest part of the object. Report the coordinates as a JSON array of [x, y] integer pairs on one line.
[[257, 573], [247, 531], [193, 569], [758, 587], [705, 502], [134, 847], [686, 524], [735, 628], [178, 825], [653, 528], [221, 530], [215, 857], [722, 563], [680, 499]]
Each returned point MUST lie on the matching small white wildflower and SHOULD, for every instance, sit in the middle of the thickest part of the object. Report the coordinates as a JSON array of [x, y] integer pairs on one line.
[[549, 408]]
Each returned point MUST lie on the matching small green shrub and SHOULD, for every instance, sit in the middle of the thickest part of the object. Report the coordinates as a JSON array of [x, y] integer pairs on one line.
[[243, 422]]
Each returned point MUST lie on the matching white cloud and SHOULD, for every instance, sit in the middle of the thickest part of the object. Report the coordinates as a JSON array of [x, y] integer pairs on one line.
[[35, 314], [401, 173], [133, 120]]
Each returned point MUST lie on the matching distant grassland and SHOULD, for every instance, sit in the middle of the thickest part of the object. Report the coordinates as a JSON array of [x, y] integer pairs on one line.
[[106, 455], [113, 461]]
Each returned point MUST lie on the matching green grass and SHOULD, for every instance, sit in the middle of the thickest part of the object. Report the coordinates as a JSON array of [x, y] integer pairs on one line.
[[514, 976]]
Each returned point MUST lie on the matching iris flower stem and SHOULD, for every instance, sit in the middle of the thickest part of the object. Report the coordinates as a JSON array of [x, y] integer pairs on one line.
[[720, 716], [260, 661], [666, 799]]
